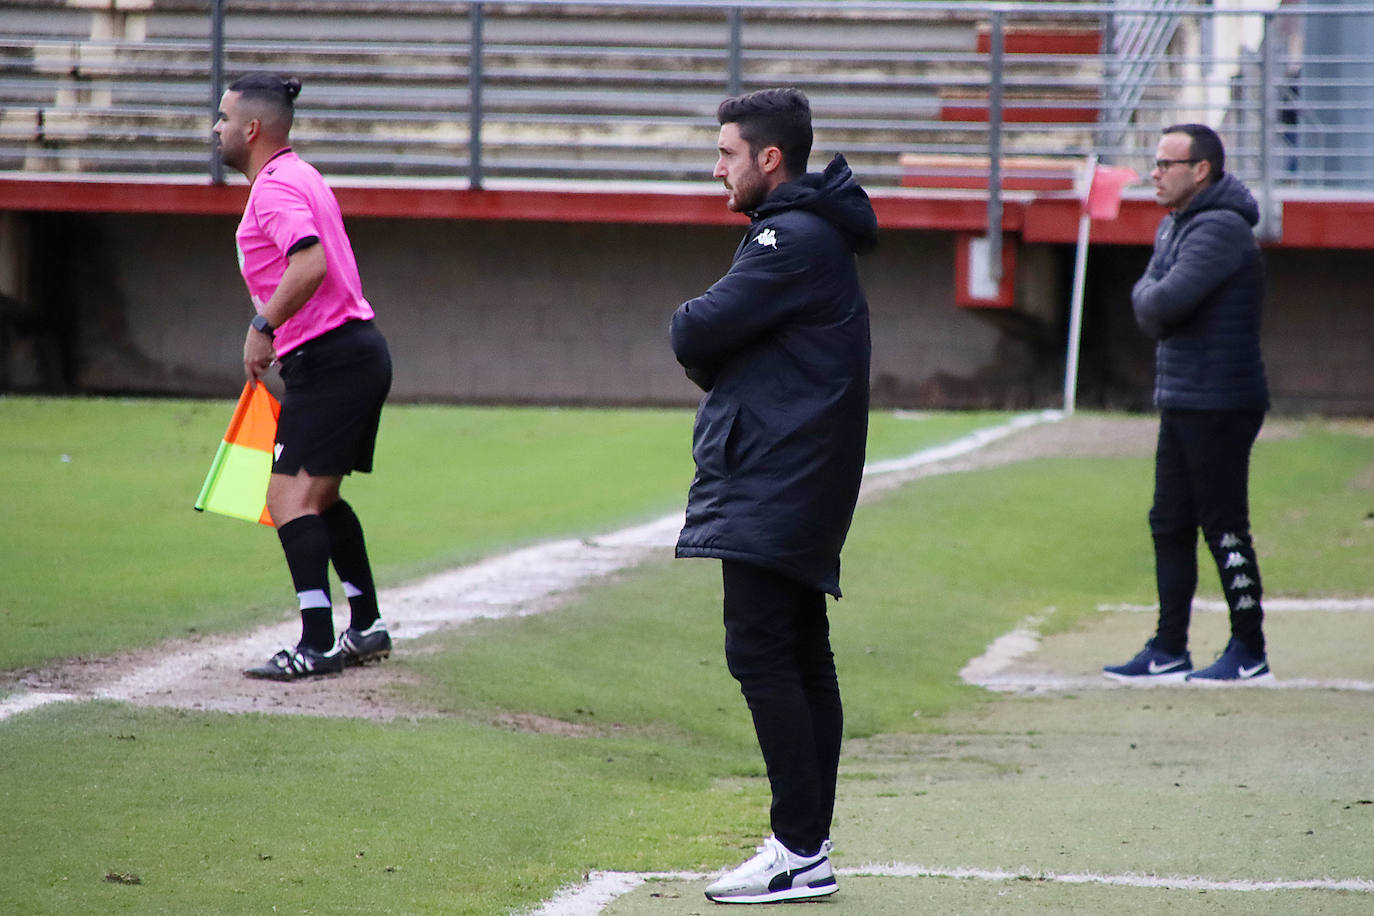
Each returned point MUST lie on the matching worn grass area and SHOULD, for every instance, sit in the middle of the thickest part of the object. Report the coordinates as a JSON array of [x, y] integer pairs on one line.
[[102, 551], [608, 736], [890, 896], [932, 574], [1249, 787], [1236, 788]]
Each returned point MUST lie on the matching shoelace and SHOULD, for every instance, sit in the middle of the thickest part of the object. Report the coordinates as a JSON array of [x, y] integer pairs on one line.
[[776, 853]]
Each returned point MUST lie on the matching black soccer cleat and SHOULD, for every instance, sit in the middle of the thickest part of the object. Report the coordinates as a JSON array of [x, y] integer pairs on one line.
[[300, 662], [358, 647]]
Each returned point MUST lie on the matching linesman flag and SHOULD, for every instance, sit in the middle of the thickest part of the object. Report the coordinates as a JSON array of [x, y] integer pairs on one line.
[[237, 483]]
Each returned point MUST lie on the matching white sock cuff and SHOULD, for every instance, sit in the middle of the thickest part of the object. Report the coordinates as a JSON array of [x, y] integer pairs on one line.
[[313, 598]]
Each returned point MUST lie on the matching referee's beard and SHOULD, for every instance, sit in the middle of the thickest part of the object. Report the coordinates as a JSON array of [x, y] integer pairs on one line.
[[234, 159]]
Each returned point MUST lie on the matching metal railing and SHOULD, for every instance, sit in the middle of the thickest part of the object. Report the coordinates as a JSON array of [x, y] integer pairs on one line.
[[1137, 43], [482, 92]]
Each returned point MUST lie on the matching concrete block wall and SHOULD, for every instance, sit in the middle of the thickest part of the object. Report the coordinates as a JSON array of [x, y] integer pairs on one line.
[[529, 312], [1319, 332]]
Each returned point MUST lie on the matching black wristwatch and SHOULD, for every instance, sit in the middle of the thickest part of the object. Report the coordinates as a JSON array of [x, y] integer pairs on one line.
[[260, 323]]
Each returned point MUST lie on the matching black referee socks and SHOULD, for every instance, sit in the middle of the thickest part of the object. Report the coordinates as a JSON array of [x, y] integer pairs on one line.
[[349, 552], [305, 541]]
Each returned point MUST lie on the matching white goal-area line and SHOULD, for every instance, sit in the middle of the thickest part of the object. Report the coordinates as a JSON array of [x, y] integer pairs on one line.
[[996, 669], [1164, 882], [993, 670], [1280, 605], [601, 888]]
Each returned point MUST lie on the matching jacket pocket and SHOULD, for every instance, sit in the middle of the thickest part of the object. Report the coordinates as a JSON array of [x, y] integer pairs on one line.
[[709, 442], [750, 440]]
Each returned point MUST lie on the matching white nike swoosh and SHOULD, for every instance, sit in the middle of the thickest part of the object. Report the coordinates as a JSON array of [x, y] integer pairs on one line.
[[1156, 668], [1245, 672]]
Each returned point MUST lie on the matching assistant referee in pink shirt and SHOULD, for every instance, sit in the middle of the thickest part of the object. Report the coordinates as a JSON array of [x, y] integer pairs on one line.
[[312, 320]]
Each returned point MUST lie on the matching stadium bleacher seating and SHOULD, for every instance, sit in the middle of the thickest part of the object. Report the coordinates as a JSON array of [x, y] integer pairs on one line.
[[589, 92]]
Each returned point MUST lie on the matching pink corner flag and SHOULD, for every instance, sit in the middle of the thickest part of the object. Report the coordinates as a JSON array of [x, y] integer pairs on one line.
[[1104, 196]]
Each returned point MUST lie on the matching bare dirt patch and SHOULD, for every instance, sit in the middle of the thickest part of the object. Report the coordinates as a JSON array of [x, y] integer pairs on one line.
[[205, 673]]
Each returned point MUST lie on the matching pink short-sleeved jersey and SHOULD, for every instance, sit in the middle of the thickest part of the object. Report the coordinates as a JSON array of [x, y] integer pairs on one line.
[[290, 202]]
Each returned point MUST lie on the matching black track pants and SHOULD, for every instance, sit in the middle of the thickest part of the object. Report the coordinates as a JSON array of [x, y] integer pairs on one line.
[[1202, 470], [777, 645]]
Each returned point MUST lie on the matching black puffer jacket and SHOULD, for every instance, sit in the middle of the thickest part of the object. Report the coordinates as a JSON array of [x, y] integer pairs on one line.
[[1201, 297], [781, 346]]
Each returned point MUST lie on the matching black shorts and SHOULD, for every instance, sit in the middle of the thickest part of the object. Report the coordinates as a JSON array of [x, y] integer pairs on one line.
[[335, 387]]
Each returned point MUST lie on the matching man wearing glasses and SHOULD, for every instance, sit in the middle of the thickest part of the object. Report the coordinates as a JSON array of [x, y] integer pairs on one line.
[[1200, 299]]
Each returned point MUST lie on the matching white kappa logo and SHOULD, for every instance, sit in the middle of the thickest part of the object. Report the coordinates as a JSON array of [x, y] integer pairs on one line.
[[768, 238]]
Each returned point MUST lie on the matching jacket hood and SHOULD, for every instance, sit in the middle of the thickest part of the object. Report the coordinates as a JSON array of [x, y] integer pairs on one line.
[[835, 196], [1227, 194]]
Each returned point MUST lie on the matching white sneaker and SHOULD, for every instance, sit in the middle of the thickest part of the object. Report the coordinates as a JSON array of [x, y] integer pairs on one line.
[[776, 873]]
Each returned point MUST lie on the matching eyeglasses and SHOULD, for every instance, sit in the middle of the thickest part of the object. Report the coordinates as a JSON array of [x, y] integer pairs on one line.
[[1164, 165]]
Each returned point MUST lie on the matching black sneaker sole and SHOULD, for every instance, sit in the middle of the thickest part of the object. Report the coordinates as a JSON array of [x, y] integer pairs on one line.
[[357, 661], [262, 674]]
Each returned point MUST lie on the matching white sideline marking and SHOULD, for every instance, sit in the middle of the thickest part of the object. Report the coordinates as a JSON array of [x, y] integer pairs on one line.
[[1075, 683], [1361, 885], [963, 446], [993, 669], [527, 581], [1002, 652], [601, 888], [1287, 605], [24, 701]]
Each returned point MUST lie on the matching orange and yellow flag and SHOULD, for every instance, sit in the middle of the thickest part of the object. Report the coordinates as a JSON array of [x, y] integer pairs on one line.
[[237, 483]]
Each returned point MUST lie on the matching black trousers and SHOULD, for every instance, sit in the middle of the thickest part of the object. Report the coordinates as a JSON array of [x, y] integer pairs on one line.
[[1202, 471], [777, 645]]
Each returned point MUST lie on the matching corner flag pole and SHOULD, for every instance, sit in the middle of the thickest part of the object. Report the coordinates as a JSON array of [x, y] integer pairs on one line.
[[1080, 271], [1101, 200]]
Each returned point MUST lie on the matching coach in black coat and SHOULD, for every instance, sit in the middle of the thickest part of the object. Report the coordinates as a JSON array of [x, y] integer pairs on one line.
[[1201, 298], [780, 345]]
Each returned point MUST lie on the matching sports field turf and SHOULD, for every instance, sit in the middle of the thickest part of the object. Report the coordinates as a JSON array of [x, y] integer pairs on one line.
[[104, 552], [653, 767]]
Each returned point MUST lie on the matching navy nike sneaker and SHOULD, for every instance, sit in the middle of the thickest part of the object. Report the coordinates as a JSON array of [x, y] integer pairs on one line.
[[1152, 665], [1236, 666]]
